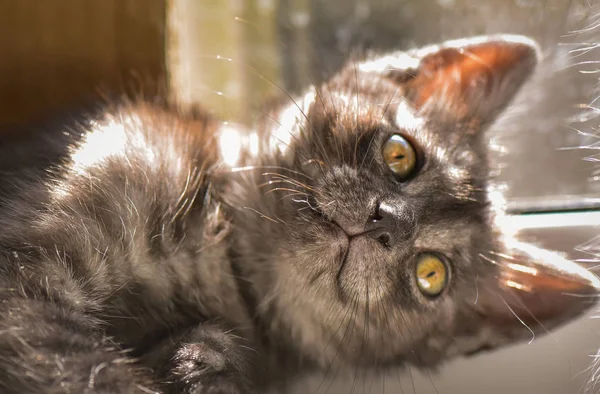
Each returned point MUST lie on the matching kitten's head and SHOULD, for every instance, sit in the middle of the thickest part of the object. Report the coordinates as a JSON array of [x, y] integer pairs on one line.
[[367, 231]]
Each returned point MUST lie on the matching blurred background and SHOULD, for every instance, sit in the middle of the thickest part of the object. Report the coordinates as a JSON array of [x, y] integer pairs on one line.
[[231, 55]]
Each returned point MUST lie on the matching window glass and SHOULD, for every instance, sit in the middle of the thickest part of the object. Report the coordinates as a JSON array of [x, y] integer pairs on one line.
[[288, 44]]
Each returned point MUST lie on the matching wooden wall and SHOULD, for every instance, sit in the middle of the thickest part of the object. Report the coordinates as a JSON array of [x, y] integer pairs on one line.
[[59, 54], [56, 54]]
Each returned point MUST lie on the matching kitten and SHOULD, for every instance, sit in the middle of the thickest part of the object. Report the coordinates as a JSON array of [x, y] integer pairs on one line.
[[149, 249]]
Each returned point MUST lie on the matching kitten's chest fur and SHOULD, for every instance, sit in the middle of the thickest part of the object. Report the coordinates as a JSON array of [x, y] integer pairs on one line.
[[132, 211]]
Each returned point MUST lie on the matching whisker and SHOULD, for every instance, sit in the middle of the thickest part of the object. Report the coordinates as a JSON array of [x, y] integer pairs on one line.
[[521, 320], [328, 368], [295, 182], [431, 381], [581, 295], [257, 167], [280, 189], [262, 215], [412, 380]]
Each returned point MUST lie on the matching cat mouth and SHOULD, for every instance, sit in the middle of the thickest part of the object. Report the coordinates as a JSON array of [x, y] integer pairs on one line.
[[356, 257]]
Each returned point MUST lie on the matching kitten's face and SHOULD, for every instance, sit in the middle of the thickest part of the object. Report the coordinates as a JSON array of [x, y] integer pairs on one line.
[[375, 222]]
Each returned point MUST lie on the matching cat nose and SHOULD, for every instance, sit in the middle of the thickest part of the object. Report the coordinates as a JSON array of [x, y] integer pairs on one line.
[[389, 225]]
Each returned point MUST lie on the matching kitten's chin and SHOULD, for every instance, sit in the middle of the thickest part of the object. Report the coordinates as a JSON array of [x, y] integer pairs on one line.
[[365, 274]]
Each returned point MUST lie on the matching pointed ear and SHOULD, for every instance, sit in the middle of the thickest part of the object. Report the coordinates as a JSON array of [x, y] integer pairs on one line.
[[468, 80], [532, 291]]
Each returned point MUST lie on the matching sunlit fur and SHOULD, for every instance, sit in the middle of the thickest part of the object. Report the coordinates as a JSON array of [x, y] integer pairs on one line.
[[584, 55], [219, 257], [343, 305]]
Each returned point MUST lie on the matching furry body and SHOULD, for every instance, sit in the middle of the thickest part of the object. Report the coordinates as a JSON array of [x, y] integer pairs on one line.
[[147, 249]]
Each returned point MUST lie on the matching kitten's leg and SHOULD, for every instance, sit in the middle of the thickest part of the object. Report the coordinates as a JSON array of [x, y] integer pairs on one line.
[[46, 348], [206, 360]]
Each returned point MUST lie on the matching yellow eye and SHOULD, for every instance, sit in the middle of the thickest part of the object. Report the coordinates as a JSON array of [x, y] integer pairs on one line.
[[432, 274], [400, 156]]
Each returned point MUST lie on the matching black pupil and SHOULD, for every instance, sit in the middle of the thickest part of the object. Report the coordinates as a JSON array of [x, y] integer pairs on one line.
[[399, 157], [431, 274]]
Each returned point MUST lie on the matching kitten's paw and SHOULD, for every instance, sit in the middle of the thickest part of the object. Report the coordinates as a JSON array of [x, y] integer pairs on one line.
[[212, 364]]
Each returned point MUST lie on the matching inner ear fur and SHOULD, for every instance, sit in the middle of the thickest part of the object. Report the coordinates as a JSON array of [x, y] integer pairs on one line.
[[468, 80]]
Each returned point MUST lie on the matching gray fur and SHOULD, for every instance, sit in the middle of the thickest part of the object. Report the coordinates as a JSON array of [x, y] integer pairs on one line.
[[155, 266]]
